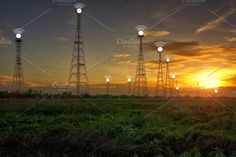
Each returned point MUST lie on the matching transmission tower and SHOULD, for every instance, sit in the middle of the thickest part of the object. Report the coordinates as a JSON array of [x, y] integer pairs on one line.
[[173, 77], [78, 72], [18, 79], [167, 81], [129, 79], [108, 80], [177, 88], [140, 85], [160, 80], [197, 88], [216, 91]]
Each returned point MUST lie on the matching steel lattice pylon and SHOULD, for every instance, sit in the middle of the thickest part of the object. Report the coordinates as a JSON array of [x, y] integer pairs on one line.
[[78, 72], [18, 79], [197, 89], [167, 82], [140, 85], [160, 80]]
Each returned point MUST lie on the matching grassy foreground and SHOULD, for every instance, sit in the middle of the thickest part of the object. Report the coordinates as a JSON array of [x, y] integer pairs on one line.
[[118, 127]]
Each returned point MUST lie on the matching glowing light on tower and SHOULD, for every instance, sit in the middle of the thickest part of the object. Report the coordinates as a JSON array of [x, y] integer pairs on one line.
[[177, 88], [79, 10], [160, 49], [18, 79], [140, 85]]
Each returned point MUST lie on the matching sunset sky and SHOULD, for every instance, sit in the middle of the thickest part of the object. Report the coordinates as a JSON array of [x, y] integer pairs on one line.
[[201, 40]]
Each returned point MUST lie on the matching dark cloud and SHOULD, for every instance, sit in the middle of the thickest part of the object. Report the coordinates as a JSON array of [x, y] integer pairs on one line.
[[173, 46], [189, 48]]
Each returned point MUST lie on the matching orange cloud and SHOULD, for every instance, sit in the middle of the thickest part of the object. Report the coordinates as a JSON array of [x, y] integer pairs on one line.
[[121, 55], [230, 39], [61, 39], [157, 33], [5, 80], [127, 62], [151, 65], [31, 84], [231, 80]]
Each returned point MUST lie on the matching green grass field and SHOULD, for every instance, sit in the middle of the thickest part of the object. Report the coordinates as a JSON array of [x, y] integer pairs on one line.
[[184, 127]]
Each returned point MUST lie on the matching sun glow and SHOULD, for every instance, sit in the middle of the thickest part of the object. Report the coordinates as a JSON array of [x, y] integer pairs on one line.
[[208, 82]]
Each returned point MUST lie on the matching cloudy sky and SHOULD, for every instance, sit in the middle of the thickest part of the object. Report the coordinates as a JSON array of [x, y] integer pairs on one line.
[[200, 37]]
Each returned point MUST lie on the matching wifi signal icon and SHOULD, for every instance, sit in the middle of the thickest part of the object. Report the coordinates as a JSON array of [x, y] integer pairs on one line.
[[79, 6], [107, 77], [18, 31], [160, 44], [141, 28]]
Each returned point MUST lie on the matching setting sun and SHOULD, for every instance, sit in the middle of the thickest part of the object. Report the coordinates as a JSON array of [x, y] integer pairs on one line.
[[209, 81]]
